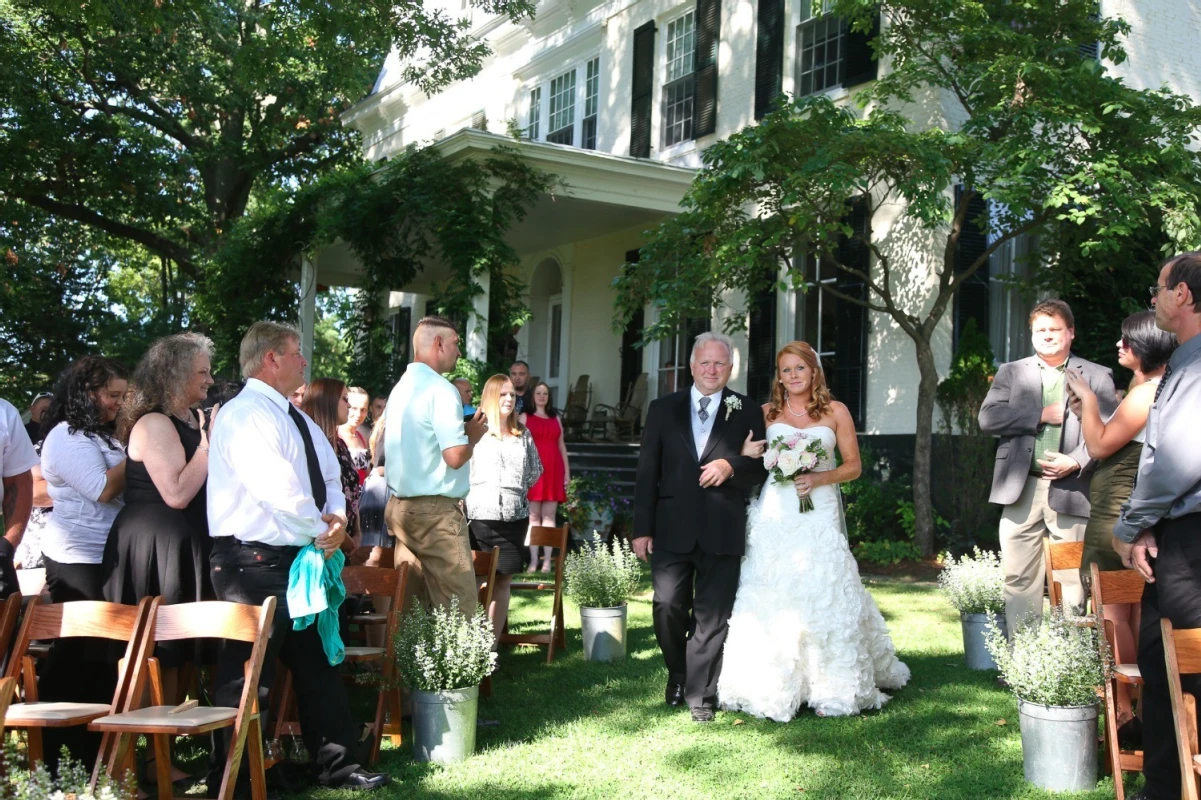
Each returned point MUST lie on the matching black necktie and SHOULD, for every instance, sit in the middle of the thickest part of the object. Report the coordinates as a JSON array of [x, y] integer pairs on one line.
[[310, 456], [1167, 373]]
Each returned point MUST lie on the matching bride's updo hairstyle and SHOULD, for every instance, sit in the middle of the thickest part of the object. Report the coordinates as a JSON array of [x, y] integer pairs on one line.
[[820, 399]]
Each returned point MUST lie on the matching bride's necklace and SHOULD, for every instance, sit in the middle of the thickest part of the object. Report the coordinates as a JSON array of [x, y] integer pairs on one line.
[[788, 404]]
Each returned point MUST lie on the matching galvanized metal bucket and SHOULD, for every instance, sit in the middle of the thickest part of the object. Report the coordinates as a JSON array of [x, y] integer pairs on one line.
[[444, 724], [604, 632], [1059, 746], [974, 651]]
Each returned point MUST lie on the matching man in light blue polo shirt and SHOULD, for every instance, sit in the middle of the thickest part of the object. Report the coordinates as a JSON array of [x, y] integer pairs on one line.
[[427, 447]]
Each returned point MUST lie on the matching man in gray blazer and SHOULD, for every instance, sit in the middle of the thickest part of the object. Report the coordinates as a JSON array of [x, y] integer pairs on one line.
[[1042, 470]]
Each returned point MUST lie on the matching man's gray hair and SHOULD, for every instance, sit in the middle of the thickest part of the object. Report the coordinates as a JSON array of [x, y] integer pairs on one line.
[[263, 337], [708, 337]]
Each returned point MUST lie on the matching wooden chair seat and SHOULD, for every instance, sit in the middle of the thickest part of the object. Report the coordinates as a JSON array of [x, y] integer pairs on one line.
[[365, 653], [555, 638], [158, 719], [1128, 673], [54, 715]]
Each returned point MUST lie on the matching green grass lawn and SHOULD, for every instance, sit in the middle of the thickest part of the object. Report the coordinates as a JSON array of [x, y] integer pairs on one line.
[[575, 729]]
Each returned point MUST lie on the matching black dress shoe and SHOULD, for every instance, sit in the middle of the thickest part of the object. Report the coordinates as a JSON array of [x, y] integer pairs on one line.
[[702, 714], [675, 694], [362, 781]]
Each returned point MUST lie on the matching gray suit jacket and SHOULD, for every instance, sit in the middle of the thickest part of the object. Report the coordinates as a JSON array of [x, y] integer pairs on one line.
[[1012, 410]]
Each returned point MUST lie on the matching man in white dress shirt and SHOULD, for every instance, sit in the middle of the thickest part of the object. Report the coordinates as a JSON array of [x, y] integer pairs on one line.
[[427, 448], [275, 486]]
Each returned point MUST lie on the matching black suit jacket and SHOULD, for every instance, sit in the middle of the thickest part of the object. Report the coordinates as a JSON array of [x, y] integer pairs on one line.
[[669, 503]]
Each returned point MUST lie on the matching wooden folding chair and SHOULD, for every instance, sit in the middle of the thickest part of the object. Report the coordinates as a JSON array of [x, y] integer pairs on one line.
[[556, 637], [1109, 588], [1060, 556], [485, 565], [159, 722], [372, 582], [1182, 652], [53, 621]]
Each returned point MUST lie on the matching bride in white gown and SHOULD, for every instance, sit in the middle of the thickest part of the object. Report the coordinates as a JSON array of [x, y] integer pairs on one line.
[[804, 630]]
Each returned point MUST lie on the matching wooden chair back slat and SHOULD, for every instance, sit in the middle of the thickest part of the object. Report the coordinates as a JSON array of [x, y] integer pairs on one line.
[[484, 565], [1060, 556], [94, 618], [372, 581], [8, 620], [1188, 650], [210, 619], [1116, 586], [541, 536]]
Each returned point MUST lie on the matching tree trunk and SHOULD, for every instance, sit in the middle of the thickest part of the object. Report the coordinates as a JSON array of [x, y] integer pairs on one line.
[[923, 505]]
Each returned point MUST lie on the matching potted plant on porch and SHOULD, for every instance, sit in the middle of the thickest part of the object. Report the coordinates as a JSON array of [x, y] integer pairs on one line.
[[600, 578], [974, 585], [443, 656], [1055, 669]]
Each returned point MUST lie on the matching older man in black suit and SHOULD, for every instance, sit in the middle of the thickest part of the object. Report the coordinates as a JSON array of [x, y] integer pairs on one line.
[[1042, 468], [690, 516]]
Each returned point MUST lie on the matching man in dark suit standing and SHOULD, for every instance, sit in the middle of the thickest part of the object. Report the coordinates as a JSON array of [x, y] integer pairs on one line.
[[1043, 468], [690, 513]]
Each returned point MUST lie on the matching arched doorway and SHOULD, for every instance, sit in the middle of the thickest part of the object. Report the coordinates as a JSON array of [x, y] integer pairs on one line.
[[546, 326]]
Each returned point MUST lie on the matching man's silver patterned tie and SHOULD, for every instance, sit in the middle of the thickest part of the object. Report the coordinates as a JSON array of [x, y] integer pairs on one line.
[[704, 411]]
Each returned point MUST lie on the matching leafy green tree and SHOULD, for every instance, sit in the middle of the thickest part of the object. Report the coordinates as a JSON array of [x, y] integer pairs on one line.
[[155, 122], [1047, 135]]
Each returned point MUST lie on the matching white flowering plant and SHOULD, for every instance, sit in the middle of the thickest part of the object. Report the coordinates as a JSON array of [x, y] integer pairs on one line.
[[72, 782], [442, 649], [601, 576], [792, 454], [974, 584], [732, 403], [1058, 663]]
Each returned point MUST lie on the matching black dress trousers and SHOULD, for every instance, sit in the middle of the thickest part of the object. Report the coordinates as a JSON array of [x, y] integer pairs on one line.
[[1175, 595], [694, 597], [246, 573]]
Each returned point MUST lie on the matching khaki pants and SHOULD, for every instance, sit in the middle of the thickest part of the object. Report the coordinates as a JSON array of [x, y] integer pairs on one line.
[[431, 537], [1023, 526]]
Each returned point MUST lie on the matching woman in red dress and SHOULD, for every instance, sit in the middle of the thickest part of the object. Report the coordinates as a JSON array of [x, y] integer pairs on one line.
[[551, 489]]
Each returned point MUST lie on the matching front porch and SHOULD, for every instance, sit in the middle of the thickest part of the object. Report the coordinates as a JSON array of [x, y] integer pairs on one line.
[[571, 245]]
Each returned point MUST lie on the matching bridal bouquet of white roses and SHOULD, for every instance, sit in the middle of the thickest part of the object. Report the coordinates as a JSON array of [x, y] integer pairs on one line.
[[789, 456]]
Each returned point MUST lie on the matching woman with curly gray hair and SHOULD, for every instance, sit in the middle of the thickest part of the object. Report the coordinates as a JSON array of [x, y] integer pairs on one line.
[[159, 543]]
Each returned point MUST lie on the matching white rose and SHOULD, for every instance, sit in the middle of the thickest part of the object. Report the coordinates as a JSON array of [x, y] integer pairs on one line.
[[770, 458], [808, 460], [788, 462]]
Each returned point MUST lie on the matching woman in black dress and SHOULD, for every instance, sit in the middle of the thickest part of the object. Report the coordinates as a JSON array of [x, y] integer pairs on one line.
[[159, 543]]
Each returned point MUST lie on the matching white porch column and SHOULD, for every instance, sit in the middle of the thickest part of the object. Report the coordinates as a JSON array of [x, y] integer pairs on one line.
[[477, 321], [308, 311]]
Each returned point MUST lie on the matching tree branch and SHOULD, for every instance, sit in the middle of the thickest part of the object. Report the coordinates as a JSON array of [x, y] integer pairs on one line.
[[152, 241]]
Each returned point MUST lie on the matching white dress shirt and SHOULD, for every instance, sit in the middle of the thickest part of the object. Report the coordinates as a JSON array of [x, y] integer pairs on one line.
[[258, 487], [701, 430]]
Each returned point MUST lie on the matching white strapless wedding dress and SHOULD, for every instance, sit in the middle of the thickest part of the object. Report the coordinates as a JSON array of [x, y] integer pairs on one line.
[[804, 630]]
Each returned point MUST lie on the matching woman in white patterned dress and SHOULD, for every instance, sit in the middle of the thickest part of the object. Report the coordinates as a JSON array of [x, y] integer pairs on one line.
[[804, 630]]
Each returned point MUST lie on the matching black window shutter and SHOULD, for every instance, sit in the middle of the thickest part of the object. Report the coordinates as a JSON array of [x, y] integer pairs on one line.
[[848, 378], [761, 345], [642, 90], [971, 301], [861, 64], [708, 35], [769, 56]]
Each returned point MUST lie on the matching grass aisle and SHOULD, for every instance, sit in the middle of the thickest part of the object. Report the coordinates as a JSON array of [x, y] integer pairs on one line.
[[573, 729]]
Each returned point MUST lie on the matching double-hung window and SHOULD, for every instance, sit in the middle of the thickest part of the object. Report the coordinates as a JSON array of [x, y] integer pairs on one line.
[[821, 50], [560, 126], [679, 85]]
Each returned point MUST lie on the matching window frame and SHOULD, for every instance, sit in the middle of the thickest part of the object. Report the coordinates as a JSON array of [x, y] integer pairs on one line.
[[543, 83], [804, 18], [686, 81]]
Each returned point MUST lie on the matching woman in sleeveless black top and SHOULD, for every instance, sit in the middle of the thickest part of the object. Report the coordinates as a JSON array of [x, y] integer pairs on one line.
[[159, 544]]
